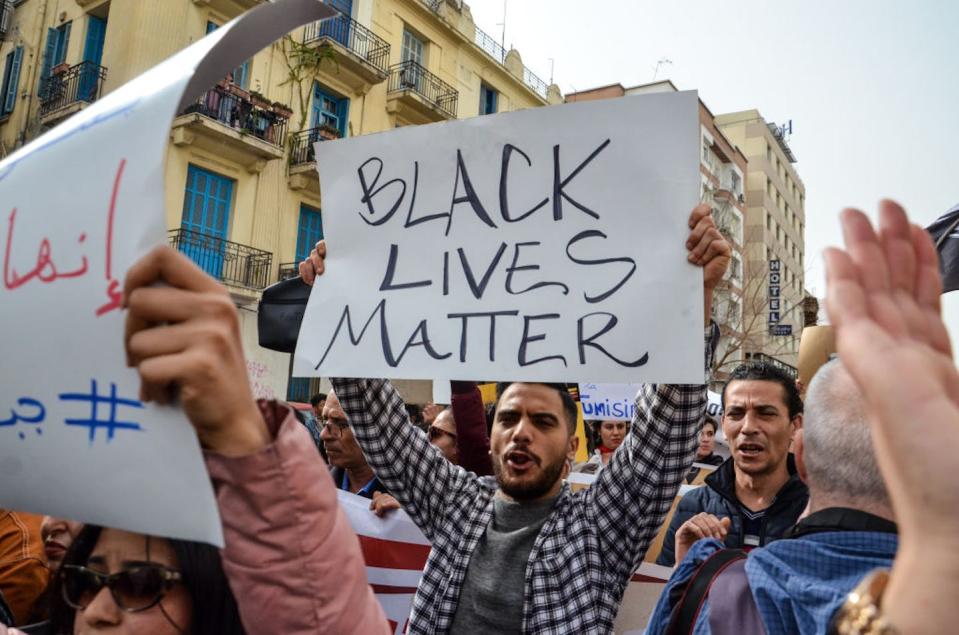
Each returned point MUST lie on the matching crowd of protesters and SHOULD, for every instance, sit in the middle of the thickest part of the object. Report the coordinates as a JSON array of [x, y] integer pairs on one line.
[[833, 514]]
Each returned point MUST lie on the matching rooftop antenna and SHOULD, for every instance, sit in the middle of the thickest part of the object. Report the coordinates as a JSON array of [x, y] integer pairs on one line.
[[502, 37], [552, 63], [661, 62]]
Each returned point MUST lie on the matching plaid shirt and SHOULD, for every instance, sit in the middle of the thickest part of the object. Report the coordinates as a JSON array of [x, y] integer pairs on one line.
[[592, 542]]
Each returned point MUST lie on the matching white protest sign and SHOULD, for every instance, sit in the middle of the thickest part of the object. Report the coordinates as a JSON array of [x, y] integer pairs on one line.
[[75, 441], [546, 244], [610, 402], [442, 392], [616, 402]]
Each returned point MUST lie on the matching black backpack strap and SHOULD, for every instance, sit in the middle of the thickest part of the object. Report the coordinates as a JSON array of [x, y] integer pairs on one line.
[[6, 615], [690, 603]]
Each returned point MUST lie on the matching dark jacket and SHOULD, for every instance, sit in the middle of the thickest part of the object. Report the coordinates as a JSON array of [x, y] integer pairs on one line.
[[718, 497], [339, 475]]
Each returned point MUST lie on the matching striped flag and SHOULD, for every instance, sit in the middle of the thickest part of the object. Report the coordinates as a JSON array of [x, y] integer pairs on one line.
[[945, 233], [395, 551]]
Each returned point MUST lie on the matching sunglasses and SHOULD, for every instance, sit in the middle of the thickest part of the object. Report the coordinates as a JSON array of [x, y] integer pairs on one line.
[[135, 589], [435, 433]]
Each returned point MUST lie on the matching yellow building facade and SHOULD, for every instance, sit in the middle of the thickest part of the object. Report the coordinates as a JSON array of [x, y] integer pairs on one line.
[[242, 193], [774, 239]]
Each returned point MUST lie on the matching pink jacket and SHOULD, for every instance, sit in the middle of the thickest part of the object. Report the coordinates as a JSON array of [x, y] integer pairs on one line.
[[292, 559]]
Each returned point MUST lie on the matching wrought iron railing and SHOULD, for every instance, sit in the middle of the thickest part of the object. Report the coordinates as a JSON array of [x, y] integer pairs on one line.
[[6, 16], [533, 81], [231, 107], [495, 50], [489, 45], [288, 270], [301, 144], [354, 36], [409, 75], [233, 263], [80, 83]]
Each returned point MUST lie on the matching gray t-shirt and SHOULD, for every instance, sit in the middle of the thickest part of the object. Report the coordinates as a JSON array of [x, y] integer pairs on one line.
[[491, 600]]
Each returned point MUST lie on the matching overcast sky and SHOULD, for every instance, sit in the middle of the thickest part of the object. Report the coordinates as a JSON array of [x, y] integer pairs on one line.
[[871, 86]]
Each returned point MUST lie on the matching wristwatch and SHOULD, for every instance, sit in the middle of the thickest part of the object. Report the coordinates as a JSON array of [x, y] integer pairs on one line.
[[860, 613]]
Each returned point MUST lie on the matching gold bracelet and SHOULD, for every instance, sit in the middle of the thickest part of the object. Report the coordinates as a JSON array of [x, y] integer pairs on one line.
[[860, 613]]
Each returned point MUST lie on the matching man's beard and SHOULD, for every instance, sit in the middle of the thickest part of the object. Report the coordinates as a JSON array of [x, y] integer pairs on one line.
[[528, 490]]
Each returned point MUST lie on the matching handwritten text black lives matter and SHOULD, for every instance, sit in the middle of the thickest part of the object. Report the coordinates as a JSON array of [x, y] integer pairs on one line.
[[379, 205]]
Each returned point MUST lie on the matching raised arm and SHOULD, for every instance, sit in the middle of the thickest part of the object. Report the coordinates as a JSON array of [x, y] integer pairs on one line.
[[411, 467], [472, 438], [292, 560], [883, 297], [634, 493]]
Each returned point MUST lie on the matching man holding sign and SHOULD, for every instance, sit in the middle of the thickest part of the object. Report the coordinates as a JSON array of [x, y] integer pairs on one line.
[[521, 552]]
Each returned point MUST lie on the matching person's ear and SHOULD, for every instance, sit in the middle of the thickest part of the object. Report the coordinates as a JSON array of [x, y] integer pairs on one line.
[[796, 423], [572, 447], [798, 449]]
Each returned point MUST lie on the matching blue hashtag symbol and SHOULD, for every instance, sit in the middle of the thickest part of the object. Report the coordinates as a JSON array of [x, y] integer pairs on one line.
[[95, 422]]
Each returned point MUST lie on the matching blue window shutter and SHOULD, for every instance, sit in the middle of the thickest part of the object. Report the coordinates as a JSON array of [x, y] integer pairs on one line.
[[207, 201], [308, 232], [63, 41], [343, 6], [316, 113], [241, 74], [96, 34], [488, 98], [211, 27], [52, 36], [327, 107], [12, 79], [343, 111]]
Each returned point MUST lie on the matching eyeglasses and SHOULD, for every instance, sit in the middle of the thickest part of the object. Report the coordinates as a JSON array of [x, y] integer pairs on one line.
[[336, 426], [435, 433], [135, 589]]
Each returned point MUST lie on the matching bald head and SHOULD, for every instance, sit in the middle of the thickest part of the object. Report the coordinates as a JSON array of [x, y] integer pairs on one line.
[[838, 455]]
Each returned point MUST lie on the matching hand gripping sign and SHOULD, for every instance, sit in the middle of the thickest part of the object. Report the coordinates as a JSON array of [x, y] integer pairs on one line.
[[75, 441], [545, 244]]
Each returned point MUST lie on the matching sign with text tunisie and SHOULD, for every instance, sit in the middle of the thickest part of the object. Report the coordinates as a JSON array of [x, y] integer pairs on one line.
[[617, 402], [546, 244], [80, 204]]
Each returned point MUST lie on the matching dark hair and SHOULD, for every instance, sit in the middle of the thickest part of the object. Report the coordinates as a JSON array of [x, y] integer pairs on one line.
[[569, 406], [316, 399], [214, 607], [490, 417], [763, 371], [709, 421]]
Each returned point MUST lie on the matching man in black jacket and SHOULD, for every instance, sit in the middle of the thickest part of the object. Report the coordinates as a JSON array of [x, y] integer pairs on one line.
[[756, 495]]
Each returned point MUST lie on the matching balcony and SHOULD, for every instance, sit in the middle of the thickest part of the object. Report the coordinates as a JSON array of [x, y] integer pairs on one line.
[[235, 124], [489, 45], [417, 96], [68, 90], [6, 16], [236, 265], [362, 57], [302, 173]]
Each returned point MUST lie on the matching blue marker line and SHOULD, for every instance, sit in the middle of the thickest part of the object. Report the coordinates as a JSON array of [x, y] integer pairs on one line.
[[94, 422]]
